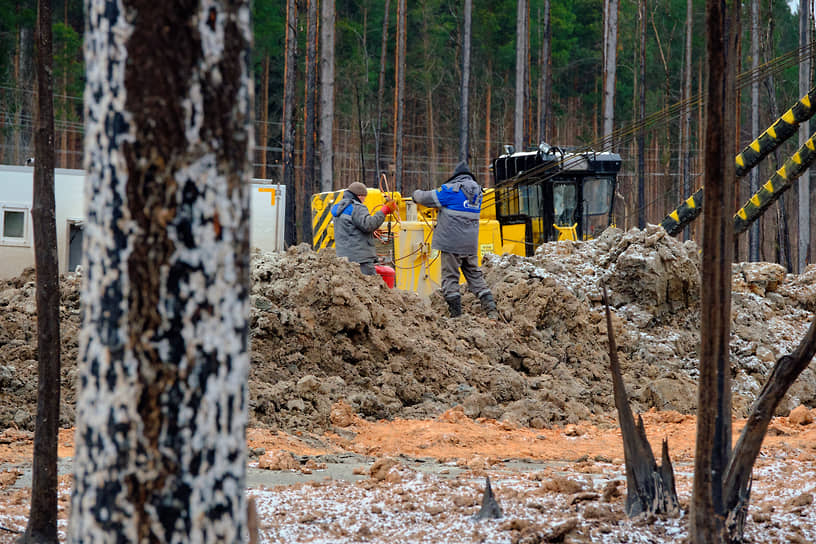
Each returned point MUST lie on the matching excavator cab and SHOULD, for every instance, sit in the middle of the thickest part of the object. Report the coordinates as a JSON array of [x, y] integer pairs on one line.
[[550, 194]]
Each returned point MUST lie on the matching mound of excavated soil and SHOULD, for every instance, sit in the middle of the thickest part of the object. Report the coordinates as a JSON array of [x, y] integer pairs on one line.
[[321, 332]]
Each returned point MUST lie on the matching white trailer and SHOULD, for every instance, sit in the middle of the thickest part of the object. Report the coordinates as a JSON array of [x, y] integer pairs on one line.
[[267, 209]]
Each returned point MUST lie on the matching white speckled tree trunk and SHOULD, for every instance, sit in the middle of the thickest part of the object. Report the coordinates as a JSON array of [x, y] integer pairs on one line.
[[164, 352]]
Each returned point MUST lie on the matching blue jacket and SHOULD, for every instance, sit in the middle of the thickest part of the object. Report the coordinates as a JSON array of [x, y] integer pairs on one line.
[[459, 201], [353, 226]]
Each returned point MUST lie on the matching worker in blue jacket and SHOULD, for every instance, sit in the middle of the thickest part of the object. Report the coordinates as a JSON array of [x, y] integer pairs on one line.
[[456, 237]]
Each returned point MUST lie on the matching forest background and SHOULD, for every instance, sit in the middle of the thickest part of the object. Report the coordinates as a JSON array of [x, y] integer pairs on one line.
[[651, 56]]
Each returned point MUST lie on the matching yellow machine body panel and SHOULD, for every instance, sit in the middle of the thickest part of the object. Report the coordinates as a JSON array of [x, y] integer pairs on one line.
[[488, 204], [513, 237], [417, 265]]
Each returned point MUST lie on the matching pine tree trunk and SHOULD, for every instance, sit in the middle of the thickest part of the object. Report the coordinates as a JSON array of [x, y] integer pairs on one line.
[[288, 125], [399, 92], [803, 184], [464, 110], [610, 67], [381, 93], [264, 143], [782, 239], [24, 77], [434, 165], [687, 112], [66, 156], [753, 233], [521, 62], [488, 128], [162, 401], [641, 138], [310, 182], [42, 522], [327, 96], [713, 445], [545, 88]]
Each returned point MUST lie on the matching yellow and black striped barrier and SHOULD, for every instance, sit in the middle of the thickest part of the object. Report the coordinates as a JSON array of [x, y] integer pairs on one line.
[[684, 214], [780, 182], [774, 187], [322, 226], [777, 133], [781, 130]]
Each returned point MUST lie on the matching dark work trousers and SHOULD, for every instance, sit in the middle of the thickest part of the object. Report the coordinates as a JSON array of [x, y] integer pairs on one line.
[[451, 263], [367, 269]]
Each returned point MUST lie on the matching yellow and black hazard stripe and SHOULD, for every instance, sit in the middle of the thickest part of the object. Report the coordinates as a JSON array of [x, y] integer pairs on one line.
[[684, 214], [774, 187], [781, 130], [322, 228]]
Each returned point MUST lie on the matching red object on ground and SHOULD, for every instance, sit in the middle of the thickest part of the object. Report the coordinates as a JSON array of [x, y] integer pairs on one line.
[[387, 273]]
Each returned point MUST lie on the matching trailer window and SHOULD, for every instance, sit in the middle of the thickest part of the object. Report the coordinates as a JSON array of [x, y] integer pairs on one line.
[[597, 196], [13, 225]]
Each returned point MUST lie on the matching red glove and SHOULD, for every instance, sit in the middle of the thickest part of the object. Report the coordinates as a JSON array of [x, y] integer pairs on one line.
[[388, 207]]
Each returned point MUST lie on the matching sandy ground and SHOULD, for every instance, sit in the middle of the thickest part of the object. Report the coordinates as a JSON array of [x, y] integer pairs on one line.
[[422, 481]]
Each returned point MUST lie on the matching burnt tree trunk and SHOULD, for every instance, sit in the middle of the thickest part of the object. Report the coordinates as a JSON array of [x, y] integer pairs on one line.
[[649, 487], [713, 445], [164, 350], [42, 522]]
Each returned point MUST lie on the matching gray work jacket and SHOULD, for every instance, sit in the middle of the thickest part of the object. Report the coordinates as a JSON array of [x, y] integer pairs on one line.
[[353, 228]]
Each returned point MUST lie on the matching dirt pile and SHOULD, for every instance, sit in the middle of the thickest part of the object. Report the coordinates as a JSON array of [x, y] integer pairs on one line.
[[322, 333], [18, 350], [654, 288]]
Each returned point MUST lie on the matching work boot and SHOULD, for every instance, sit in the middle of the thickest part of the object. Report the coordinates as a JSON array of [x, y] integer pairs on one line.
[[489, 305], [454, 305]]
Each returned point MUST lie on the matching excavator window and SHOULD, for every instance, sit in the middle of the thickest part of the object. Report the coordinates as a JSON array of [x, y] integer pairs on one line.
[[565, 201], [597, 199], [531, 200], [597, 193]]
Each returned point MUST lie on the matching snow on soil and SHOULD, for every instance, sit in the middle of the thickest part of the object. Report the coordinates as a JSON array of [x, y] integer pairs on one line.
[[418, 507], [573, 503]]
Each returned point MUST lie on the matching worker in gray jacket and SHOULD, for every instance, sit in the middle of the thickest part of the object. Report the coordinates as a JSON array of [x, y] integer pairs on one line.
[[456, 236], [354, 227]]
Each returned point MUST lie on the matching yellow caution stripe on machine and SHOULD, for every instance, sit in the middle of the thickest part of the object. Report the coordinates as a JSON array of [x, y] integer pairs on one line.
[[322, 228]]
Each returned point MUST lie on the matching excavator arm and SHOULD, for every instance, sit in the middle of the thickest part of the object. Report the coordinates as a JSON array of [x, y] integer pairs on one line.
[[782, 129]]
